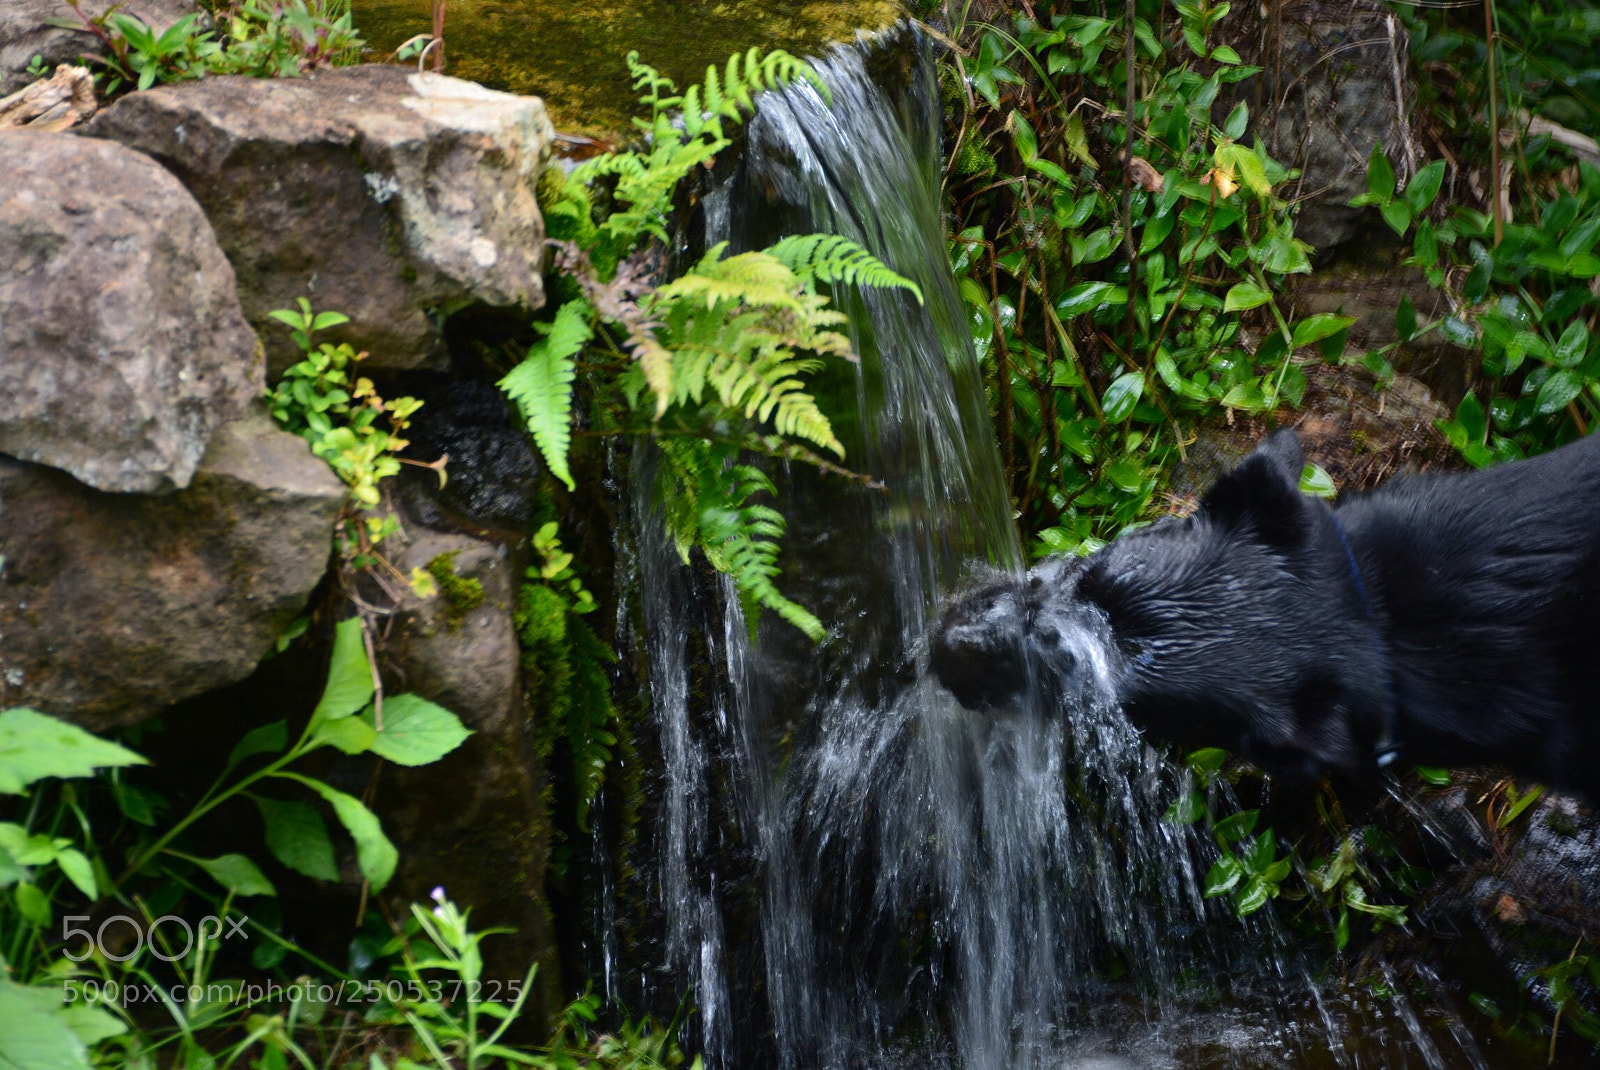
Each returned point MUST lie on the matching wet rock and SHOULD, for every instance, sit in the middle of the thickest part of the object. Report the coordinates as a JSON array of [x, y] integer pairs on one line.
[[122, 345], [113, 606], [492, 474], [1334, 83], [477, 821], [392, 196], [26, 31]]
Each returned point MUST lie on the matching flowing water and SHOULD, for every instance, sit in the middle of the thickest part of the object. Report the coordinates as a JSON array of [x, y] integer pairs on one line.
[[850, 869]]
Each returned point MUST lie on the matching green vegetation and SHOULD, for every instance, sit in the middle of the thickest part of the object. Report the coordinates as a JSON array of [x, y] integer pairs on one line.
[[322, 400], [1111, 269], [264, 39], [711, 366]]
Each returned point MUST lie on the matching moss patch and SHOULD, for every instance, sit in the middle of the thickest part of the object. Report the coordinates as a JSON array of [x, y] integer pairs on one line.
[[460, 594]]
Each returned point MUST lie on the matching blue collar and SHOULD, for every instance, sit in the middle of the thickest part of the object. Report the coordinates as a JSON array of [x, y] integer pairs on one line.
[[1389, 745]]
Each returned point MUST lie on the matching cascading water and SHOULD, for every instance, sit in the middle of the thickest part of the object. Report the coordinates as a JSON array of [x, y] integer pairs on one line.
[[851, 869]]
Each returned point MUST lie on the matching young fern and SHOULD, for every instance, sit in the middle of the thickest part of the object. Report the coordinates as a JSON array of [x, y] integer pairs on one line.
[[830, 258]]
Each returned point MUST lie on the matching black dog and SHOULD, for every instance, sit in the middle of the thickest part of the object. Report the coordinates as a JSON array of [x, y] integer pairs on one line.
[[1449, 619]]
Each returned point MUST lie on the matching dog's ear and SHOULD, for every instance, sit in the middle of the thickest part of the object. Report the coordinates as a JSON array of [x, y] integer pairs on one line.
[[1264, 489]]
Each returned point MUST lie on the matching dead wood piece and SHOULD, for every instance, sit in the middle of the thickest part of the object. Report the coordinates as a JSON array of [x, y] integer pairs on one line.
[[66, 99]]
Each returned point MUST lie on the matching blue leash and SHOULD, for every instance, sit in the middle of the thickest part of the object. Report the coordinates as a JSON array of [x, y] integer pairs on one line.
[[1389, 746]]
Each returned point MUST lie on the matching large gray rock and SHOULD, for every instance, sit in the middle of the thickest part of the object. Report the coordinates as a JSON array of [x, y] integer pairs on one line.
[[379, 192], [122, 345], [113, 606], [26, 31], [1335, 82], [477, 821]]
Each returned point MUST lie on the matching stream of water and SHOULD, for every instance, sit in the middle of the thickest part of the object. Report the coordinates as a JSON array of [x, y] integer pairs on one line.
[[852, 870]]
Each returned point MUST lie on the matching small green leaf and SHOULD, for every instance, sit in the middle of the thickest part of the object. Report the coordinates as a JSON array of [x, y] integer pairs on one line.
[[416, 731], [351, 735], [1245, 295], [350, 684], [1253, 897], [1186, 809], [375, 855], [1236, 827], [1122, 395], [1398, 215], [1572, 346], [1206, 760], [1222, 876], [79, 870], [1558, 391], [1458, 333], [33, 1034], [1405, 320], [1316, 481], [1237, 120], [1027, 140], [1380, 176], [1125, 475], [268, 739], [34, 745], [238, 874], [1438, 776], [1087, 296], [1424, 187], [297, 837], [1319, 326]]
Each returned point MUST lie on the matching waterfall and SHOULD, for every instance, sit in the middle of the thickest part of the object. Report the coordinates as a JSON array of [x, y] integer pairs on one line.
[[851, 869], [922, 876]]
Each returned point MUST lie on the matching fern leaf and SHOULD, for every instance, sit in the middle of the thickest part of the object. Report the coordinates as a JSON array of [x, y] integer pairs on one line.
[[655, 361], [541, 385], [831, 258]]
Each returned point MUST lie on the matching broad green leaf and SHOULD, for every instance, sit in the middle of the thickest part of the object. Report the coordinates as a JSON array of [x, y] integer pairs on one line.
[[541, 386], [1319, 326], [238, 874], [1253, 897], [1125, 475], [1049, 170], [1471, 417], [1122, 395], [297, 837], [350, 684], [1424, 187], [33, 1034], [1206, 760], [1558, 391], [375, 855], [1380, 176], [268, 739], [1027, 140], [1438, 776], [1572, 346], [351, 735], [1186, 809], [1397, 214], [1458, 333], [1237, 120], [416, 731], [1088, 296], [32, 904], [34, 745], [1222, 876], [1236, 827], [1405, 320], [79, 870], [1245, 295]]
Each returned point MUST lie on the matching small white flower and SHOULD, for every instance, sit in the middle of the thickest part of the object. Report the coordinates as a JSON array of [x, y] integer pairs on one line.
[[437, 895]]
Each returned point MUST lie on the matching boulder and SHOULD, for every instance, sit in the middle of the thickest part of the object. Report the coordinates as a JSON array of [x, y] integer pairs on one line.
[[26, 31], [476, 822], [113, 606], [122, 345], [1334, 83], [393, 196]]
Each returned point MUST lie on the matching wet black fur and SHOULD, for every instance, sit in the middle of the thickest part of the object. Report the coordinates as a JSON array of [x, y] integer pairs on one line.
[[1245, 625]]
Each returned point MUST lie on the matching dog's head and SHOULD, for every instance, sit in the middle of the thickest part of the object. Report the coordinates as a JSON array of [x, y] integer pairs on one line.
[[1238, 626]]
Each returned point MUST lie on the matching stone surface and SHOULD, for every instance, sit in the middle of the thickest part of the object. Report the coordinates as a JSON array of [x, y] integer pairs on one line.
[[122, 345], [1333, 81], [26, 31], [391, 196], [476, 822], [113, 606]]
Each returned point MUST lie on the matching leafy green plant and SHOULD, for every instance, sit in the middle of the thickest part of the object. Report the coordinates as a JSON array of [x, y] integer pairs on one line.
[[711, 365], [1525, 304], [1120, 276], [264, 39], [321, 399]]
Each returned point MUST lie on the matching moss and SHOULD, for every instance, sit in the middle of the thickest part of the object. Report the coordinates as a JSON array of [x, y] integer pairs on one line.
[[461, 594]]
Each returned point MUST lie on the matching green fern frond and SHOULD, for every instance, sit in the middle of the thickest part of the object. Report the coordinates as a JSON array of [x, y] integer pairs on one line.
[[831, 258], [712, 510], [751, 278], [541, 385]]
